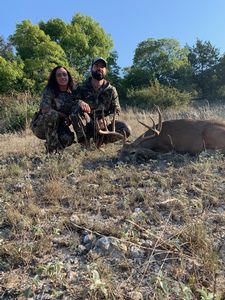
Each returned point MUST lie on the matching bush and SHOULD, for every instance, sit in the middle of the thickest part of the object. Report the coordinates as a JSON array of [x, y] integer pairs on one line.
[[157, 94], [16, 112], [10, 73]]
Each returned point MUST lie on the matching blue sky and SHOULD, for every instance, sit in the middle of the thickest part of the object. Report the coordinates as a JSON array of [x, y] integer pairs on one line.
[[129, 22]]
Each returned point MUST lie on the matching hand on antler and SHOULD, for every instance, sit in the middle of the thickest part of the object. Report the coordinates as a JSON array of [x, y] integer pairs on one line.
[[85, 107], [102, 124]]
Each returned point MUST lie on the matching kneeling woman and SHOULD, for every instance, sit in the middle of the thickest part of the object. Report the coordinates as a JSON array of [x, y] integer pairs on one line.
[[53, 121]]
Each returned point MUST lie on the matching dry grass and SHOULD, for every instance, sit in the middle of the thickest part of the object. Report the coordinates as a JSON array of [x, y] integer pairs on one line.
[[165, 216]]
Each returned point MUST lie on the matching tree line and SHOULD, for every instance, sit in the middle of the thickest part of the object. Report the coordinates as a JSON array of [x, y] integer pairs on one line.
[[162, 72]]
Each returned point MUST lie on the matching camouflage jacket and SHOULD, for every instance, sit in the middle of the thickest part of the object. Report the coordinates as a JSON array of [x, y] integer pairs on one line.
[[105, 98], [62, 103]]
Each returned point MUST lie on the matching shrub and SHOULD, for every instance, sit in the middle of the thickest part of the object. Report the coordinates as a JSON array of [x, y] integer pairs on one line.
[[16, 111], [10, 73], [158, 94]]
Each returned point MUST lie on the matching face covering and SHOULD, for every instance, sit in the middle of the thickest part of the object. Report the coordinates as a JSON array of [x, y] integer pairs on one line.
[[97, 75]]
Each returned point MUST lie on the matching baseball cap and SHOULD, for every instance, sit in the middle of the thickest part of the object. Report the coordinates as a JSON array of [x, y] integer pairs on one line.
[[95, 60]]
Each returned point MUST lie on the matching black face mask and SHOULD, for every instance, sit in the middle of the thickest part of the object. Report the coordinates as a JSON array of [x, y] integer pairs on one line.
[[97, 75]]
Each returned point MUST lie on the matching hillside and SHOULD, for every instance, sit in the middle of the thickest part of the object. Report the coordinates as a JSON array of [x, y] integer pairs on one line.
[[84, 225]]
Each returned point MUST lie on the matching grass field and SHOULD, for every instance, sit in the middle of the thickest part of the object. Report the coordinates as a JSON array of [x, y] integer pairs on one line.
[[84, 225]]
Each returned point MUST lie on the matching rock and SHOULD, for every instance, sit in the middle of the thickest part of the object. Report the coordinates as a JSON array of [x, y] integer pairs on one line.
[[136, 252], [19, 187], [89, 241], [134, 295], [107, 246]]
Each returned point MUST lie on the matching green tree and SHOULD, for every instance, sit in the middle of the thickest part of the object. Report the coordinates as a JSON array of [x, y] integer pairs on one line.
[[38, 52], [204, 59], [6, 49], [136, 78], [82, 40], [55, 28], [219, 86], [85, 39], [11, 73], [158, 59], [113, 74]]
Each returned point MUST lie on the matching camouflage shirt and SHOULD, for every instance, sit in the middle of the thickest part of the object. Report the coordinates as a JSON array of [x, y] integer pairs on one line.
[[106, 97], [62, 103]]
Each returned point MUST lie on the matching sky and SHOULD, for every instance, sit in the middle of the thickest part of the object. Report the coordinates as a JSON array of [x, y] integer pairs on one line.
[[129, 22]]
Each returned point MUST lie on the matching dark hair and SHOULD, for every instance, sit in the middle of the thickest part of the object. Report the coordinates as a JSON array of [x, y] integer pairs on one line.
[[52, 83]]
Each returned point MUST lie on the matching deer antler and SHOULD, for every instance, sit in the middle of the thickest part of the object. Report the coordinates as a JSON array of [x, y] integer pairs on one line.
[[155, 128], [83, 131], [108, 132]]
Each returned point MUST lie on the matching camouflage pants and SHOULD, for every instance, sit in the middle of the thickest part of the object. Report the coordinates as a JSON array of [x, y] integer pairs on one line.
[[84, 126], [51, 127]]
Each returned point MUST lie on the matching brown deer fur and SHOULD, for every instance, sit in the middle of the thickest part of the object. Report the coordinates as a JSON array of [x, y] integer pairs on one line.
[[182, 135]]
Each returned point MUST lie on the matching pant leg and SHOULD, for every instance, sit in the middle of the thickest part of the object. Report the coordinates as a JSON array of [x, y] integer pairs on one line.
[[83, 126], [65, 135], [52, 120]]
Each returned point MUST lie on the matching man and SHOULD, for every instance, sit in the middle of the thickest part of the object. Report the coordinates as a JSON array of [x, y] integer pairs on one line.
[[96, 100]]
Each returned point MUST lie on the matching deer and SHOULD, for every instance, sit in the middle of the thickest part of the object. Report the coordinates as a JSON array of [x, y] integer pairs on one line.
[[179, 135]]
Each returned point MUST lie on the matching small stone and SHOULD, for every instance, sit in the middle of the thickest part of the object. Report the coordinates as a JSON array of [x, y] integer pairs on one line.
[[136, 295]]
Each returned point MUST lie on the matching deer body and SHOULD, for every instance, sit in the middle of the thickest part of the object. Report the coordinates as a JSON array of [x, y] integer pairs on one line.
[[181, 135], [192, 136]]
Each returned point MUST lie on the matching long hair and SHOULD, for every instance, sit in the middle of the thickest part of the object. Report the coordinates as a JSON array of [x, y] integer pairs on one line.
[[52, 83]]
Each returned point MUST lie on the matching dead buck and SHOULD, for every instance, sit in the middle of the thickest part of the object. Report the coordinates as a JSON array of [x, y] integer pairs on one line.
[[181, 135]]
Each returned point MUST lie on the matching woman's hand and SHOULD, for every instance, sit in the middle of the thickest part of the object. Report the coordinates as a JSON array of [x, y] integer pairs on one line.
[[85, 107]]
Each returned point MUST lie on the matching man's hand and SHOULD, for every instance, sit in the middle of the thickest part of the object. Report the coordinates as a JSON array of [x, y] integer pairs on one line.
[[102, 124], [85, 107]]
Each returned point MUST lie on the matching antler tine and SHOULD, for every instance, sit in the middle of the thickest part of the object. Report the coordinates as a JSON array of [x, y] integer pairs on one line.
[[83, 131], [149, 127], [103, 118], [160, 118], [114, 121], [154, 129], [113, 132], [154, 126]]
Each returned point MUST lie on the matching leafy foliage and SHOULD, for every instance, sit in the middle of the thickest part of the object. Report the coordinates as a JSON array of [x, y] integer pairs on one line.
[[158, 59], [10, 73], [6, 49], [204, 58], [157, 94], [55, 28], [34, 50], [39, 54], [82, 40]]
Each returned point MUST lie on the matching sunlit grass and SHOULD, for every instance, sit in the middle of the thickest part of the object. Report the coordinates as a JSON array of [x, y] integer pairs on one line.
[[166, 217]]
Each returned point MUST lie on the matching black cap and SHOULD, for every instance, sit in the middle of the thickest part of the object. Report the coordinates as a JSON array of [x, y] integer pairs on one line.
[[99, 59]]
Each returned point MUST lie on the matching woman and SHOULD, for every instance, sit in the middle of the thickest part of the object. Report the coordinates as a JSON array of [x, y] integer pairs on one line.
[[53, 121]]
